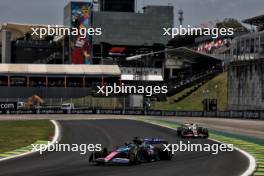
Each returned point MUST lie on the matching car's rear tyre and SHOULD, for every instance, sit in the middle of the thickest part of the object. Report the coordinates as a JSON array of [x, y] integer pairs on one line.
[[205, 133], [144, 155], [179, 130], [183, 132], [164, 154], [167, 156]]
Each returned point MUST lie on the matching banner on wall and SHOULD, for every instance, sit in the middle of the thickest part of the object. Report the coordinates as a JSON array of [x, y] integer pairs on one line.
[[81, 47]]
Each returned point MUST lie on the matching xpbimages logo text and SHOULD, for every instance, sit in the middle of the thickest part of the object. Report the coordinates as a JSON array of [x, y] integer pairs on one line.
[[131, 89], [62, 31], [195, 31], [81, 148]]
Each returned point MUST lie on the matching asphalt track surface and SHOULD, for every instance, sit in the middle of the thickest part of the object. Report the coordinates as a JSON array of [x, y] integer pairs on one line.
[[110, 133], [251, 128]]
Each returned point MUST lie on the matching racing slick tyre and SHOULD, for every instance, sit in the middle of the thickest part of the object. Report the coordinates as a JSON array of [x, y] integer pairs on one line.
[[133, 157], [165, 155], [205, 132], [146, 156], [183, 132], [179, 130]]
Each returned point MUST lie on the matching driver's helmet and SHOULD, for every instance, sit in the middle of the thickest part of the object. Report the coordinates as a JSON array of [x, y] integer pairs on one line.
[[137, 141]]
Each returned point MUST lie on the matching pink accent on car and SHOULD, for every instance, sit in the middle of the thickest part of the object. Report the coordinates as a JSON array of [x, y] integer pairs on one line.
[[111, 156]]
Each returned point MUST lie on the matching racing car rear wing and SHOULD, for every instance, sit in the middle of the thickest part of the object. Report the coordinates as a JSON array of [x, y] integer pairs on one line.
[[155, 141]]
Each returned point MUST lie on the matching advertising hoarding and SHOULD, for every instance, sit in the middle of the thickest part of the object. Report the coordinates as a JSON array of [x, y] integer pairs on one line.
[[81, 47]]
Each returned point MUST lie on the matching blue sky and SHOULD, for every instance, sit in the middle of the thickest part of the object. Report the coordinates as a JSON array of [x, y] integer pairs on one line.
[[195, 11]]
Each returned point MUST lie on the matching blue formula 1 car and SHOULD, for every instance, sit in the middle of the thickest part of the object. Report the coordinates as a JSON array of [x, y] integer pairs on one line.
[[136, 152]]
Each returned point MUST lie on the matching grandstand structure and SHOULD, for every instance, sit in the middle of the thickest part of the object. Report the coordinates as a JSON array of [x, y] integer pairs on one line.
[[54, 81], [34, 66], [19, 46], [116, 42], [245, 73]]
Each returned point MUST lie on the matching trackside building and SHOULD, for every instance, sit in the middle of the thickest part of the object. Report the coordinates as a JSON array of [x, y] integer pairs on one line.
[[246, 70]]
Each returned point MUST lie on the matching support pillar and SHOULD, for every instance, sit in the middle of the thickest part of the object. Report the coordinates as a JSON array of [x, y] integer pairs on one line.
[[120, 82], [28, 81], [65, 82], [8, 81], [102, 81], [83, 81], [47, 81]]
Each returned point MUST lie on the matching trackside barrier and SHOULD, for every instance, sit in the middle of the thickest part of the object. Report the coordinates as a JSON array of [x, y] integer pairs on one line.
[[218, 114]]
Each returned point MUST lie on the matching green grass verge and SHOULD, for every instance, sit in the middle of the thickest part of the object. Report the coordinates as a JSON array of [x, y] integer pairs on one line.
[[18, 134], [217, 88], [252, 148]]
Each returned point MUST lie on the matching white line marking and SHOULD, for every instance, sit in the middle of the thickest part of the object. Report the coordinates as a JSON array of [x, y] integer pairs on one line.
[[252, 162]]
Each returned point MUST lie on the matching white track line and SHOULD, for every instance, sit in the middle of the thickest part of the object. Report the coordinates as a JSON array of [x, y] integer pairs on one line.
[[252, 162], [56, 137]]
